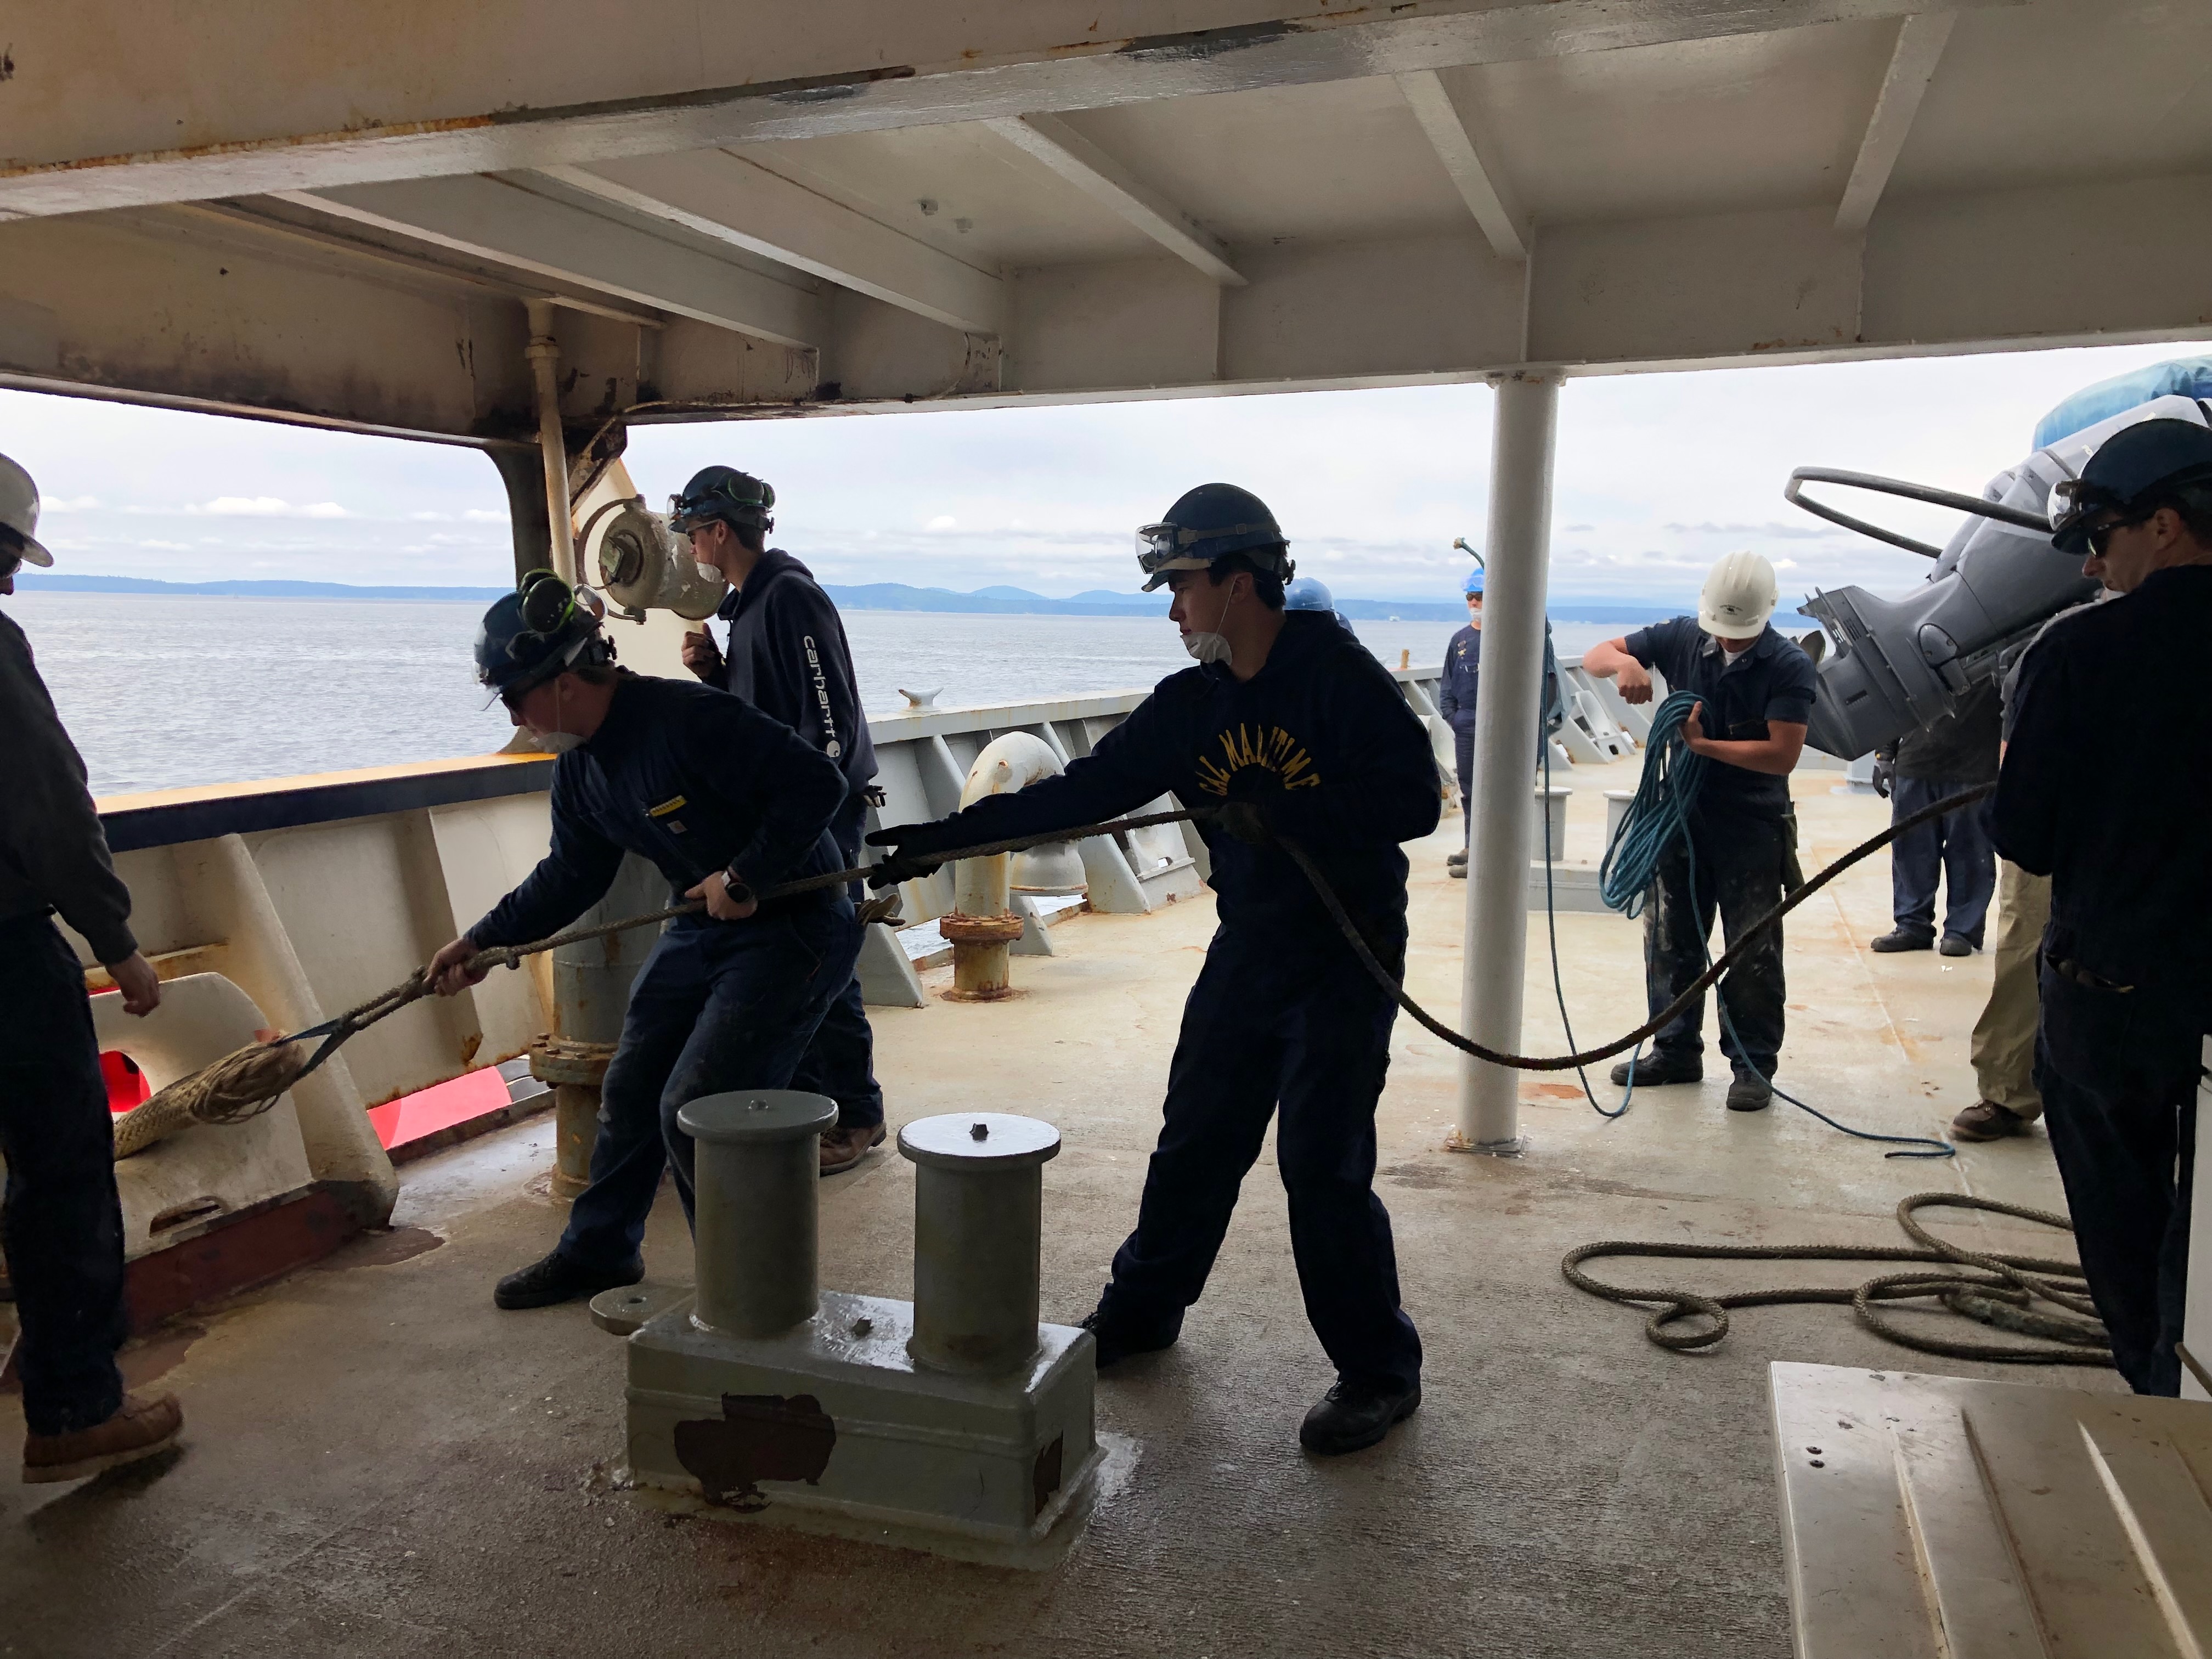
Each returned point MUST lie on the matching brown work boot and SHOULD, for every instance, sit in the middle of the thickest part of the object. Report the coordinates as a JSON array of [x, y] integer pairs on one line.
[[842, 1148], [1987, 1120], [139, 1428]]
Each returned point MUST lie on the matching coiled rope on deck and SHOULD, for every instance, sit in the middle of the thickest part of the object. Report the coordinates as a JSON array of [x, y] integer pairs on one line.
[[1995, 1289]]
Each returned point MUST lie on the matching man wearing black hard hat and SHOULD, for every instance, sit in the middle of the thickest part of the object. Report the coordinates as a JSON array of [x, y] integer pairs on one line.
[[2113, 807], [726, 801], [788, 657], [1294, 729]]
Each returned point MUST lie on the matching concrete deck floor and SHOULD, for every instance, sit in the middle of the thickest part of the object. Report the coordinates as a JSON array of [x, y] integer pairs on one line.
[[377, 1462]]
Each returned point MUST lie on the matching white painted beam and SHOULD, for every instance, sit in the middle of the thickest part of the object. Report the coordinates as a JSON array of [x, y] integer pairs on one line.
[[237, 97], [490, 219], [1481, 182], [1099, 176], [736, 201], [1920, 42]]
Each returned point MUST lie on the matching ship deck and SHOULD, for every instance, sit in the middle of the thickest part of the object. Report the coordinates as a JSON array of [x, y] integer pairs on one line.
[[376, 1461]]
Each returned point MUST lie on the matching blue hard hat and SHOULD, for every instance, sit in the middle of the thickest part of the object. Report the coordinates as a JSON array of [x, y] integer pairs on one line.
[[1210, 523], [1307, 594], [1473, 582], [2131, 471], [536, 632]]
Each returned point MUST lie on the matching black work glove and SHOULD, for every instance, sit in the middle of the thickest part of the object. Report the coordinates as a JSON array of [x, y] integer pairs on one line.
[[1885, 774], [902, 864]]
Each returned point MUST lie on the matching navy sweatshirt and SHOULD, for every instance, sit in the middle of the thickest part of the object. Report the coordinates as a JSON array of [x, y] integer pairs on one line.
[[1321, 738], [788, 657], [691, 778], [2113, 805]]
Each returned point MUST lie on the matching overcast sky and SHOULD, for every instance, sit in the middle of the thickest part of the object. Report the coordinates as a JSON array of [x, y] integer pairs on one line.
[[1658, 475]]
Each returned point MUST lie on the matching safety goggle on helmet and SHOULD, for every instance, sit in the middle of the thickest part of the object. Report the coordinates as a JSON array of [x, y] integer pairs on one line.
[[721, 492], [1161, 548], [542, 629]]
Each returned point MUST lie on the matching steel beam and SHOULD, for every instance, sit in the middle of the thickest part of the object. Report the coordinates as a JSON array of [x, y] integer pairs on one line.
[[1482, 185], [1050, 140], [235, 97], [492, 219], [736, 201], [1920, 42]]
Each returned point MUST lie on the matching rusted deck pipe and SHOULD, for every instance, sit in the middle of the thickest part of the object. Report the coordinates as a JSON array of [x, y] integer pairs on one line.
[[983, 923]]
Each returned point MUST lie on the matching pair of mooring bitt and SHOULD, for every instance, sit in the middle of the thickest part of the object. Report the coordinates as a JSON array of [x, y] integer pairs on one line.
[[978, 1222]]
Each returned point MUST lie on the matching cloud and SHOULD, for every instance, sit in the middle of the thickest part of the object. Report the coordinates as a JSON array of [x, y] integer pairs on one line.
[[265, 507], [1788, 532], [69, 504], [430, 518], [942, 521], [1785, 564], [480, 515]]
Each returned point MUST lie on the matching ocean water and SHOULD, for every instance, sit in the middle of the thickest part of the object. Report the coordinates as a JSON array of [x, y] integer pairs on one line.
[[162, 691]]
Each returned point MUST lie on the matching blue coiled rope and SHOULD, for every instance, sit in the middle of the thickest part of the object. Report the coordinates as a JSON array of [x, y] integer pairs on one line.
[[1659, 814]]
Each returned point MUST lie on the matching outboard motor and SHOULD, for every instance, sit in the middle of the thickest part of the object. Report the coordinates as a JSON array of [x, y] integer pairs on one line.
[[1897, 665]]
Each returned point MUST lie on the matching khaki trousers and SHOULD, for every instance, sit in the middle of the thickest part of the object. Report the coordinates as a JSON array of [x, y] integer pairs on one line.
[[2004, 1036]]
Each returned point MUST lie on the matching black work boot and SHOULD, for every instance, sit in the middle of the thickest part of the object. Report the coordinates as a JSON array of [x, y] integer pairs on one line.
[[1957, 944], [1353, 1415], [1656, 1071], [1750, 1092], [1117, 1341], [1902, 939], [556, 1279]]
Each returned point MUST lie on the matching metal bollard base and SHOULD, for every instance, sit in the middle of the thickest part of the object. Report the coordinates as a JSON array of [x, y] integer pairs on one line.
[[832, 1422]]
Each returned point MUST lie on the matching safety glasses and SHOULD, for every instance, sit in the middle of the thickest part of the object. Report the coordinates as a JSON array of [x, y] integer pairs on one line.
[[1160, 545]]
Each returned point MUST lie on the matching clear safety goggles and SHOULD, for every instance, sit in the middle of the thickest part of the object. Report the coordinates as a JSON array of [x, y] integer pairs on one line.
[[2072, 499], [1164, 546]]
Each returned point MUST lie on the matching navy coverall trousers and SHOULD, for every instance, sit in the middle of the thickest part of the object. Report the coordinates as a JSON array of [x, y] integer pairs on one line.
[[718, 1006], [2117, 1072], [61, 1224], [1956, 846], [1305, 1031], [841, 1062], [1739, 869]]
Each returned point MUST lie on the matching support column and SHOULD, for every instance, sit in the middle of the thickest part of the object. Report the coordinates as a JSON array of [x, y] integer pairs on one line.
[[1508, 690]]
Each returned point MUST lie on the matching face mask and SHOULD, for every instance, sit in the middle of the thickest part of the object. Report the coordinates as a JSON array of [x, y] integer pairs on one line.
[[707, 572], [1210, 647], [559, 743]]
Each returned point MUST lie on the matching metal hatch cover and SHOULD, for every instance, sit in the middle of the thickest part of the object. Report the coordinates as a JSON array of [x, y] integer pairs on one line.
[[1932, 1517]]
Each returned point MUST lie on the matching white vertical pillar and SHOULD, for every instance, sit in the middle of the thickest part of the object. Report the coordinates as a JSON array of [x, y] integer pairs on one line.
[[1507, 694]]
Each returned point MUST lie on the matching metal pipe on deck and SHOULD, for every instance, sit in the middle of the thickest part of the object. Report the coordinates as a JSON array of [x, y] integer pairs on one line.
[[1508, 690], [982, 924], [544, 355]]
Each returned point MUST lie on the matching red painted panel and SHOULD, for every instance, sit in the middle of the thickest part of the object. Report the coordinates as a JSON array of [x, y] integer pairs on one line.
[[440, 1106], [126, 1084]]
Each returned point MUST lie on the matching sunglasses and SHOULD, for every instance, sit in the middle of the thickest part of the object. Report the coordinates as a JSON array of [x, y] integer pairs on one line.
[[2099, 537]]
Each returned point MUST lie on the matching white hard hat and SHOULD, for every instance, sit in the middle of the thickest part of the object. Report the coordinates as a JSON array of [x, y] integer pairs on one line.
[[19, 510], [1738, 597]]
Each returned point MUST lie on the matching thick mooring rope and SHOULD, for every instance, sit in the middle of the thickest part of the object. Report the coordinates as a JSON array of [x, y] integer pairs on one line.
[[248, 1081], [1993, 1289]]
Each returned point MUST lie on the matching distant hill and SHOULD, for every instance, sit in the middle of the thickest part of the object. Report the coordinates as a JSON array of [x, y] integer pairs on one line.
[[890, 596]]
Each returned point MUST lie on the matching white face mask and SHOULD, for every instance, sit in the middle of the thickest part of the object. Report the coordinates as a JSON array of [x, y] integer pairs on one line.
[[709, 572], [1210, 647], [559, 743]]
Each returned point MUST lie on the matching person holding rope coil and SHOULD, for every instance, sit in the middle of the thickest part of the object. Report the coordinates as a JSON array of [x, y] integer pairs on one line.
[[1755, 688], [1294, 728], [724, 800]]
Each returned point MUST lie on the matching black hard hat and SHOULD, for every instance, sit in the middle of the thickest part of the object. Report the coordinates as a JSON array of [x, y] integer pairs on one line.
[[539, 630], [2138, 464], [721, 492], [1210, 523]]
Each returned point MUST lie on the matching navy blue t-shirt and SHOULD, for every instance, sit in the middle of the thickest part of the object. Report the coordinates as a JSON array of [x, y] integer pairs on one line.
[[1773, 679]]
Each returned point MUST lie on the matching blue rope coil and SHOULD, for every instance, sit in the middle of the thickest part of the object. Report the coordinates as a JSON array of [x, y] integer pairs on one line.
[[1666, 795]]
